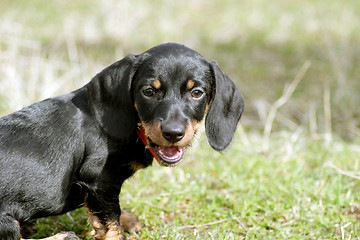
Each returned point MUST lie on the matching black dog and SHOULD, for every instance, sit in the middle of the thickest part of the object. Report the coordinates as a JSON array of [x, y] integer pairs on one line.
[[77, 149]]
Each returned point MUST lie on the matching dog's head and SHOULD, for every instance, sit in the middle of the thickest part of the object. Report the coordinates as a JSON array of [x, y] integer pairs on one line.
[[168, 90]]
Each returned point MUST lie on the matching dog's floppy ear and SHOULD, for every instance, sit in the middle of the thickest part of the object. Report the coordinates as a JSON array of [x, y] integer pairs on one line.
[[110, 98], [225, 110]]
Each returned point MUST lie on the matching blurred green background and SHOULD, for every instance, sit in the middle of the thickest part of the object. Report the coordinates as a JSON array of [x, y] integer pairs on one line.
[[292, 171], [261, 45]]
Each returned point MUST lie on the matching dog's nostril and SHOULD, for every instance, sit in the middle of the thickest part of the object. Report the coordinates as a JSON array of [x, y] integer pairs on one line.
[[173, 137], [172, 134]]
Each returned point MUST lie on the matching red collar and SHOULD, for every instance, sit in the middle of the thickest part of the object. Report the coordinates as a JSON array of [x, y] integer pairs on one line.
[[141, 132]]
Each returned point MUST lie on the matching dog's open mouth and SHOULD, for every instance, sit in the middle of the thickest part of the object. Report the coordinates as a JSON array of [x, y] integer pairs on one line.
[[168, 156]]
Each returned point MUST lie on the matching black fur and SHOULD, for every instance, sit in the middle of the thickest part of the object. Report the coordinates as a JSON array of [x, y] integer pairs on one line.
[[225, 110], [61, 153]]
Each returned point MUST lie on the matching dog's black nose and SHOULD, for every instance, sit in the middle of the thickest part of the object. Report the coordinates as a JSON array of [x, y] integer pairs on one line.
[[173, 132]]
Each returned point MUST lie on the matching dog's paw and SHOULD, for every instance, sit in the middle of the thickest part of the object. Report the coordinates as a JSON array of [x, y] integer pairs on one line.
[[66, 236], [60, 236], [130, 223]]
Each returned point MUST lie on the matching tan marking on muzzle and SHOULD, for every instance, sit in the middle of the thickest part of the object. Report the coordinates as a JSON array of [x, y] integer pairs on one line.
[[154, 133]]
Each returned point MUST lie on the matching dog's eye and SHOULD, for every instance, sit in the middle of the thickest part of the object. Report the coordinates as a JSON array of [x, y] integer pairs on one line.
[[196, 93], [148, 92]]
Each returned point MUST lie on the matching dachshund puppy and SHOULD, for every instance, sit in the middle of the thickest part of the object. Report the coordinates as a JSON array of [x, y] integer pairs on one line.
[[77, 149]]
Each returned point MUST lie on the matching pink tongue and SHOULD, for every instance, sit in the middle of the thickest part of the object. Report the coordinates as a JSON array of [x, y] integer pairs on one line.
[[171, 153]]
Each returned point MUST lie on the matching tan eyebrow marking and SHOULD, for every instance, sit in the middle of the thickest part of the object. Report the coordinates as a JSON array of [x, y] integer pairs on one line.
[[190, 84], [156, 84]]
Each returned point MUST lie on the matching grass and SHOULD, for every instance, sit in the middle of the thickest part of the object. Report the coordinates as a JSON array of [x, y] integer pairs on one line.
[[292, 171]]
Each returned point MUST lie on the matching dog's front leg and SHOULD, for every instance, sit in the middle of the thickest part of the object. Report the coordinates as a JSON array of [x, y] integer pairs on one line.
[[109, 230], [104, 215]]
